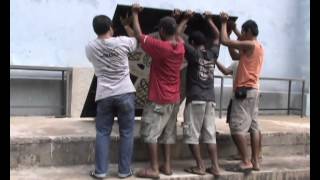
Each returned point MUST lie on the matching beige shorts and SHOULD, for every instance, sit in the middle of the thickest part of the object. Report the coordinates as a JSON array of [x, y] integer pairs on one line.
[[159, 123], [244, 113], [199, 123]]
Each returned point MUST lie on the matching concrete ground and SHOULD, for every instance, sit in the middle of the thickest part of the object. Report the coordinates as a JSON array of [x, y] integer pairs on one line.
[[47, 126], [293, 167], [24, 129]]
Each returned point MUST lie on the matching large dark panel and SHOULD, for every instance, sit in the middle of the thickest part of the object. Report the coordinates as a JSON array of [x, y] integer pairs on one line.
[[139, 61]]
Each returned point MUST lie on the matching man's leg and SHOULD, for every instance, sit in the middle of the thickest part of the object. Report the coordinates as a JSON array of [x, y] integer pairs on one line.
[[255, 132], [166, 167], [168, 135], [213, 154], [126, 113], [255, 147], [208, 134], [194, 113], [241, 143], [151, 128], [104, 121], [153, 170], [196, 153], [240, 123], [260, 146], [153, 155]]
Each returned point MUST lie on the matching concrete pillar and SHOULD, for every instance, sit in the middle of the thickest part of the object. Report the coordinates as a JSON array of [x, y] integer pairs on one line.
[[81, 81], [308, 103]]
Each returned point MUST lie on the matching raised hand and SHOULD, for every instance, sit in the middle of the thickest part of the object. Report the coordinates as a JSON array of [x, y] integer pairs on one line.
[[136, 8], [207, 14], [176, 13], [188, 14], [126, 21], [224, 17]]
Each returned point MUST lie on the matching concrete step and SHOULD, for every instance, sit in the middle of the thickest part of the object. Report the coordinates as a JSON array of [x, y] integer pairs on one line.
[[59, 142], [272, 168]]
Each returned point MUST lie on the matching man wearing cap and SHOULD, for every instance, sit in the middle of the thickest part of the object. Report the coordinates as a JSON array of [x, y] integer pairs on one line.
[[158, 123]]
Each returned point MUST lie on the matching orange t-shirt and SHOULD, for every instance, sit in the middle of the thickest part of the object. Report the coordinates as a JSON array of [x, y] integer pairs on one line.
[[250, 67]]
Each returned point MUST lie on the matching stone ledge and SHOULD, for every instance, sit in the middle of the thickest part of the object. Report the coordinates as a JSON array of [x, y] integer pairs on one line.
[[282, 168]]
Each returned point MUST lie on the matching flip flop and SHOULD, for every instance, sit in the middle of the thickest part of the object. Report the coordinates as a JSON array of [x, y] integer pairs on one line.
[[245, 168], [209, 170], [162, 170], [195, 170], [255, 166], [147, 173]]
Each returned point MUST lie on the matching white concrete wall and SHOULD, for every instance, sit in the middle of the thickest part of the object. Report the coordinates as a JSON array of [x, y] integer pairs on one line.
[[54, 32]]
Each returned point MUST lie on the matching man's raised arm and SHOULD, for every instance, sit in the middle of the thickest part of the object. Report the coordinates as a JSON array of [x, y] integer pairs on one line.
[[126, 22], [240, 45], [184, 20], [215, 30], [233, 27], [136, 25], [223, 69]]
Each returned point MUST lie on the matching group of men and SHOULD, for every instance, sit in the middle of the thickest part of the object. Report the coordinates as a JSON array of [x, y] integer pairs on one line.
[[115, 94]]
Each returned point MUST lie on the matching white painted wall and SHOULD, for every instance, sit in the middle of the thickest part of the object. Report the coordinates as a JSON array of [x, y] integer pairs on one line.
[[54, 32]]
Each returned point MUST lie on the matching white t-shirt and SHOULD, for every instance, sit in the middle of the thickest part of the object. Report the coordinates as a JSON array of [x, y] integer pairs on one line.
[[109, 58], [234, 68]]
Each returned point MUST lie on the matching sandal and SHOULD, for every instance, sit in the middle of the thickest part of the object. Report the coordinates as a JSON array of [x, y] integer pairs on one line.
[[163, 171], [210, 171], [255, 166], [195, 170], [244, 168], [147, 173], [96, 176]]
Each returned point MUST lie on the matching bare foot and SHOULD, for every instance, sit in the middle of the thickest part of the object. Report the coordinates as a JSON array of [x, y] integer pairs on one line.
[[245, 166], [148, 173]]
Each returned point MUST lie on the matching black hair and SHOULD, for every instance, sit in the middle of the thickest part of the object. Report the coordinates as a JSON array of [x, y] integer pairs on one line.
[[198, 38], [252, 25], [168, 25], [101, 24]]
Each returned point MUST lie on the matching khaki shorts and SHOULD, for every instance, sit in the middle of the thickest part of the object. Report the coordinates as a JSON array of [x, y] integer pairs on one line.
[[244, 113], [159, 123], [199, 123]]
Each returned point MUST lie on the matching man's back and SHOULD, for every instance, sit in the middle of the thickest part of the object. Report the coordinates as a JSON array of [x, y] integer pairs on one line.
[[110, 61], [200, 72], [167, 58]]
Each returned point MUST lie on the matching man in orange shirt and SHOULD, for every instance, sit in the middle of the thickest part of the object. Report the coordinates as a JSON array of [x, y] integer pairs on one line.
[[244, 110]]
